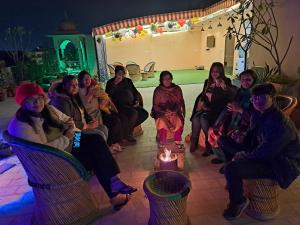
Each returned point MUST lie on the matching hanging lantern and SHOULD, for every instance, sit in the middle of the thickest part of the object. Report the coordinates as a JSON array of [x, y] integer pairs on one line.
[[139, 28], [181, 22], [160, 30]]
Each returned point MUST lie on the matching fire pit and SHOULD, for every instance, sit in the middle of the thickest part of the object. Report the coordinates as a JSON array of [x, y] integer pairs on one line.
[[168, 160]]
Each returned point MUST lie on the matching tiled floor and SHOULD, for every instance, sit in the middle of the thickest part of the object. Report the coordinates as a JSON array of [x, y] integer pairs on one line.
[[206, 201]]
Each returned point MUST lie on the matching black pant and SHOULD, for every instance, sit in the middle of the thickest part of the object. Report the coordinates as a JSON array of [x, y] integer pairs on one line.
[[230, 147], [238, 170], [134, 115], [95, 155], [200, 121], [115, 125]]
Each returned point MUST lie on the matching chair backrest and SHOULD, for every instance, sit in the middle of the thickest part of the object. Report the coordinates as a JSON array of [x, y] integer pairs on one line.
[[133, 69], [286, 103], [46, 165], [130, 62], [149, 67], [118, 64], [111, 69]]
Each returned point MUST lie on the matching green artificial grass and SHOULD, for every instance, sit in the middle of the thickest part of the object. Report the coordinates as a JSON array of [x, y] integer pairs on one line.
[[179, 77]]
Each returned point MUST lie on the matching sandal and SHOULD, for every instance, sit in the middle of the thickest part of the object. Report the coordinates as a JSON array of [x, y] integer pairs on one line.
[[122, 188], [119, 206]]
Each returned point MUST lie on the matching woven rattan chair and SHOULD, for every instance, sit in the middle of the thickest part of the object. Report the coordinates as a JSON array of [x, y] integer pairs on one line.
[[111, 69], [167, 192], [59, 183], [134, 72], [263, 195], [117, 64], [149, 69]]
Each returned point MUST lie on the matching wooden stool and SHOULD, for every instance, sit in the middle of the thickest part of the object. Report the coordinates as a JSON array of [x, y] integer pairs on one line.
[[263, 195]]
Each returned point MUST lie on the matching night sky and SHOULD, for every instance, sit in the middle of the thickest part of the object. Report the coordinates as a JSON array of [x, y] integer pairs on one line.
[[43, 17]]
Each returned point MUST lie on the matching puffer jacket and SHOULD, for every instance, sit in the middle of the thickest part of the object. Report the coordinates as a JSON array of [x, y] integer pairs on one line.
[[278, 144], [69, 105]]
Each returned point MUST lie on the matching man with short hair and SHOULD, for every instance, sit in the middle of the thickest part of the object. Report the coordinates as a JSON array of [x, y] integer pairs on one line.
[[275, 154]]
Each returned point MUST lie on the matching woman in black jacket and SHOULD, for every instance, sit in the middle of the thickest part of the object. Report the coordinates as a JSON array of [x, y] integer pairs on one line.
[[216, 93], [127, 100]]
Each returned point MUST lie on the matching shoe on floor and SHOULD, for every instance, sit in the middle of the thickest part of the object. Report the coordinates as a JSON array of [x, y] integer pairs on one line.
[[207, 152], [130, 139], [216, 161], [119, 201], [234, 211], [221, 170]]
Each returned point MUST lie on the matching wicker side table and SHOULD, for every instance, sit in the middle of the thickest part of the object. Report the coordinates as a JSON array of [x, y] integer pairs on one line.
[[263, 195], [167, 192]]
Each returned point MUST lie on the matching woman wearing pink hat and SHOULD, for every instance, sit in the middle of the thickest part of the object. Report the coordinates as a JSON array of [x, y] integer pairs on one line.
[[39, 122]]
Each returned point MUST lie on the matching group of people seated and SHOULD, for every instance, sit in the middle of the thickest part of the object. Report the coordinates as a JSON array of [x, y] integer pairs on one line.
[[243, 127], [102, 120]]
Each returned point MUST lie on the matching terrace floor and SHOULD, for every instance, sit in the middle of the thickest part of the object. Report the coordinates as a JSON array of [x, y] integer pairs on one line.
[[206, 200]]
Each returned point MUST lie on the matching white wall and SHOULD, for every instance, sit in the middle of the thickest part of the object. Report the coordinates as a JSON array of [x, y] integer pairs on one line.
[[288, 18]]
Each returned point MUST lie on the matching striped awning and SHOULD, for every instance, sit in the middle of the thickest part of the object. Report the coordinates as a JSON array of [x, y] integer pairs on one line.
[[160, 18]]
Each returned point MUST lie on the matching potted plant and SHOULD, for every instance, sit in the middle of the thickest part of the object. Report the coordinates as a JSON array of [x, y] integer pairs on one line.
[[254, 22]]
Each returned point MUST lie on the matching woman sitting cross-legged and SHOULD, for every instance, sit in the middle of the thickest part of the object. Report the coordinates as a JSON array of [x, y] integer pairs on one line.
[[168, 109], [234, 121], [38, 122], [91, 96]]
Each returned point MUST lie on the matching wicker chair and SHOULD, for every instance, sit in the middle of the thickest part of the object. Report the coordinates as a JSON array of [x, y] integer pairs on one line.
[[111, 69], [59, 183], [167, 192], [134, 72], [117, 64], [149, 69]]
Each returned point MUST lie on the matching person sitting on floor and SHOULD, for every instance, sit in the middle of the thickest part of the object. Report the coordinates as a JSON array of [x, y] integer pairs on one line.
[[64, 96], [127, 100], [90, 93], [216, 93], [235, 118], [168, 109], [273, 153], [38, 122]]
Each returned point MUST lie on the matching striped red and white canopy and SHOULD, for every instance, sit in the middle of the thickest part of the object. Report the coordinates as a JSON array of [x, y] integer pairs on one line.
[[160, 18]]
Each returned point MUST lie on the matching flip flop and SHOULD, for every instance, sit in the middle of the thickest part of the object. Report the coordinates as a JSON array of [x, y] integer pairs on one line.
[[120, 206]]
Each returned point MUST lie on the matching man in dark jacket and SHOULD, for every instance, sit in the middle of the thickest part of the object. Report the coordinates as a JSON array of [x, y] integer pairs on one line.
[[127, 100], [276, 154]]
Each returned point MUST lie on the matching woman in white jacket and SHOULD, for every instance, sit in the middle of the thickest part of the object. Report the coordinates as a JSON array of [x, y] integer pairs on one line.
[[39, 122]]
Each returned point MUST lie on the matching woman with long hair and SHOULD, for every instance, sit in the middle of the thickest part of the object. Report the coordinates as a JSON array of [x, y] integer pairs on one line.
[[38, 122], [91, 96], [209, 104]]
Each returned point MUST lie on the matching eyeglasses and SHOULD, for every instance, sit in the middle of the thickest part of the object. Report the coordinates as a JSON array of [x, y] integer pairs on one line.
[[259, 98], [33, 100]]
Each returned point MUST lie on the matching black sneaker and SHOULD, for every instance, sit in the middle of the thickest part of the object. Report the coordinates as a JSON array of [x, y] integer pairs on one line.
[[216, 161], [130, 139], [234, 211]]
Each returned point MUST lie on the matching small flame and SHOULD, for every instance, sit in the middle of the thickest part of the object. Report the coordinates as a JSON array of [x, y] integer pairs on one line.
[[167, 155]]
